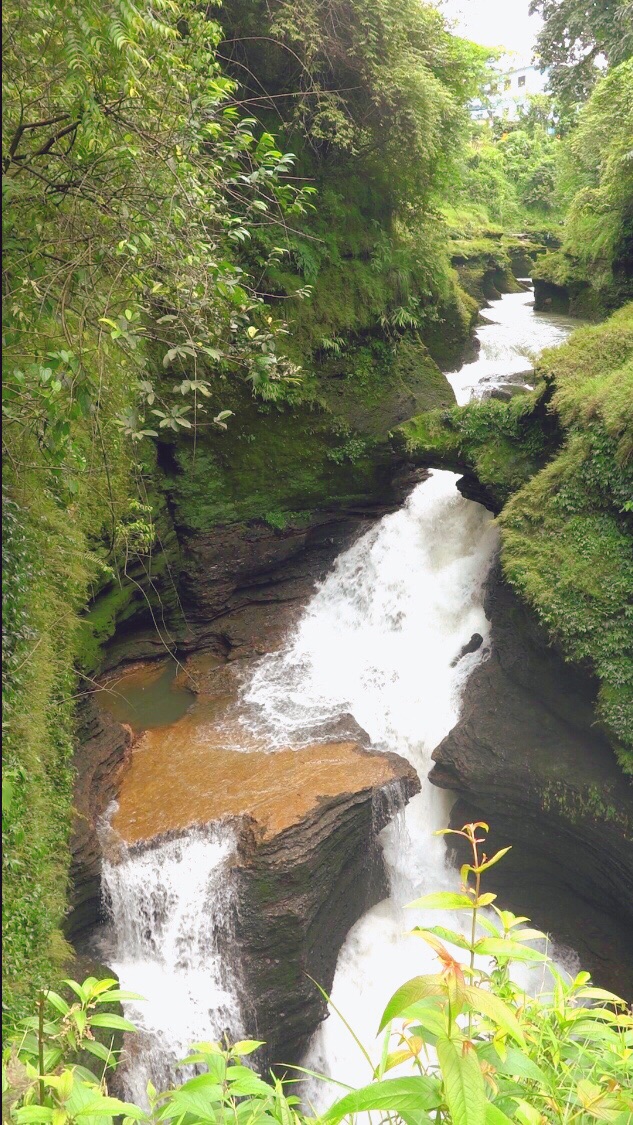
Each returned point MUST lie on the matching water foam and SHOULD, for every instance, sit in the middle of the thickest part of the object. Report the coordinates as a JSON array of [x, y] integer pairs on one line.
[[172, 908]]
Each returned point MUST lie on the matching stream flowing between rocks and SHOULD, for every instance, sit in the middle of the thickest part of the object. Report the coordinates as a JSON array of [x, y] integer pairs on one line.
[[380, 640]]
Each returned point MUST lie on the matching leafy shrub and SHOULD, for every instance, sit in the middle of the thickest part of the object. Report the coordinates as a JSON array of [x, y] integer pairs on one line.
[[475, 1048]]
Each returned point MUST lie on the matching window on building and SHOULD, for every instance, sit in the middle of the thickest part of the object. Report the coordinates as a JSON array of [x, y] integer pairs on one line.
[[521, 80], [507, 83]]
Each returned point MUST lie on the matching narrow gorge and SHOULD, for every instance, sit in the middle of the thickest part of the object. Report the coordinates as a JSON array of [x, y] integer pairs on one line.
[[271, 825], [317, 567]]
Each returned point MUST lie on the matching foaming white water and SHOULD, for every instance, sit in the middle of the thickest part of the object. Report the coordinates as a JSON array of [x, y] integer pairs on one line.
[[381, 640], [172, 908], [509, 345], [382, 630]]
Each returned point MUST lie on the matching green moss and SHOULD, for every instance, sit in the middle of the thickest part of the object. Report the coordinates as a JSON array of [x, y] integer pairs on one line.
[[289, 460], [503, 444]]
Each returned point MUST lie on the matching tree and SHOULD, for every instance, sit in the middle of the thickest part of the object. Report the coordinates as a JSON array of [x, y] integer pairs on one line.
[[576, 34]]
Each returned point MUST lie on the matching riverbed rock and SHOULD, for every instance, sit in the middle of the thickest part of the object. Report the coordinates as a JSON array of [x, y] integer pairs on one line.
[[301, 891], [529, 758], [308, 866]]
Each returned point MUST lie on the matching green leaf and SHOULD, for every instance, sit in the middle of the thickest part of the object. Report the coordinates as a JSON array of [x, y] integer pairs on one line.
[[99, 1051], [411, 1098], [442, 900], [33, 1113], [496, 1116], [512, 950], [444, 934], [77, 989], [463, 1084], [117, 995], [57, 1002], [110, 1107], [494, 859], [109, 1019], [416, 989], [495, 1009], [516, 1064], [208, 1083], [246, 1046]]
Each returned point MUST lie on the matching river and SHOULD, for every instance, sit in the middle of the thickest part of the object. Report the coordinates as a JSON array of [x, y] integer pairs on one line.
[[379, 640]]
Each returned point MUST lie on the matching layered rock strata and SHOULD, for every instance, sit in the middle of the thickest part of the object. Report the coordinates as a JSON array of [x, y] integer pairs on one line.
[[104, 748]]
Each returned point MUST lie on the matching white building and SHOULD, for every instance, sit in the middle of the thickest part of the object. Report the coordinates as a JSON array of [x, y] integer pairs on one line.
[[504, 97]]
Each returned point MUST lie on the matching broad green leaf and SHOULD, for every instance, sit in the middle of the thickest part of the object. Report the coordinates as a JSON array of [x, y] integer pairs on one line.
[[33, 1114], [516, 1064], [442, 900], [416, 989], [411, 1098], [246, 1046], [505, 948], [77, 989], [446, 935], [496, 1116], [56, 1000], [111, 1107], [601, 994], [205, 1082], [463, 1083], [495, 1009], [110, 1019], [526, 1114], [117, 995], [99, 1050], [94, 988], [196, 1102]]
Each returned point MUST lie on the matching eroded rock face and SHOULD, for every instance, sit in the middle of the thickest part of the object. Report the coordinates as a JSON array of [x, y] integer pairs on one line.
[[104, 747], [301, 891], [529, 758], [243, 585]]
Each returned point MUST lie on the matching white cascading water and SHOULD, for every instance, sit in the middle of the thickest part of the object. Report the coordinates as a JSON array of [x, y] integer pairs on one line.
[[378, 640], [172, 907], [509, 344]]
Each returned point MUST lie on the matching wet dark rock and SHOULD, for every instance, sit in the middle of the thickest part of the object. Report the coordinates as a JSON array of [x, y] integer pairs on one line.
[[301, 891], [505, 391], [473, 644], [242, 582], [103, 751], [529, 758]]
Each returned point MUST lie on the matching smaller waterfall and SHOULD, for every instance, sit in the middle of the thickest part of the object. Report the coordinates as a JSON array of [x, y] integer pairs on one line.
[[172, 908]]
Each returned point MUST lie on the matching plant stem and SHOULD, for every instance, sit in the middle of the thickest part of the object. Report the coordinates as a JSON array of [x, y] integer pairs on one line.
[[40, 1046]]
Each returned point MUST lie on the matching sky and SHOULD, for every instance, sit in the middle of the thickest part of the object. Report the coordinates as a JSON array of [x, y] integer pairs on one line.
[[495, 23]]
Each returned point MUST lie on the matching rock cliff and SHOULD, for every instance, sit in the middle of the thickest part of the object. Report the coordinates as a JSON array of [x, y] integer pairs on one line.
[[529, 758], [103, 751]]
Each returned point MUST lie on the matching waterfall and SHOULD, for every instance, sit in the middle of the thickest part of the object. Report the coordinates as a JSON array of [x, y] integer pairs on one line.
[[382, 640], [172, 908]]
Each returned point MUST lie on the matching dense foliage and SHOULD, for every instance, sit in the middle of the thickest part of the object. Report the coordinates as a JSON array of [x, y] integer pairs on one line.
[[577, 37], [508, 172], [595, 186], [209, 223], [463, 1046]]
